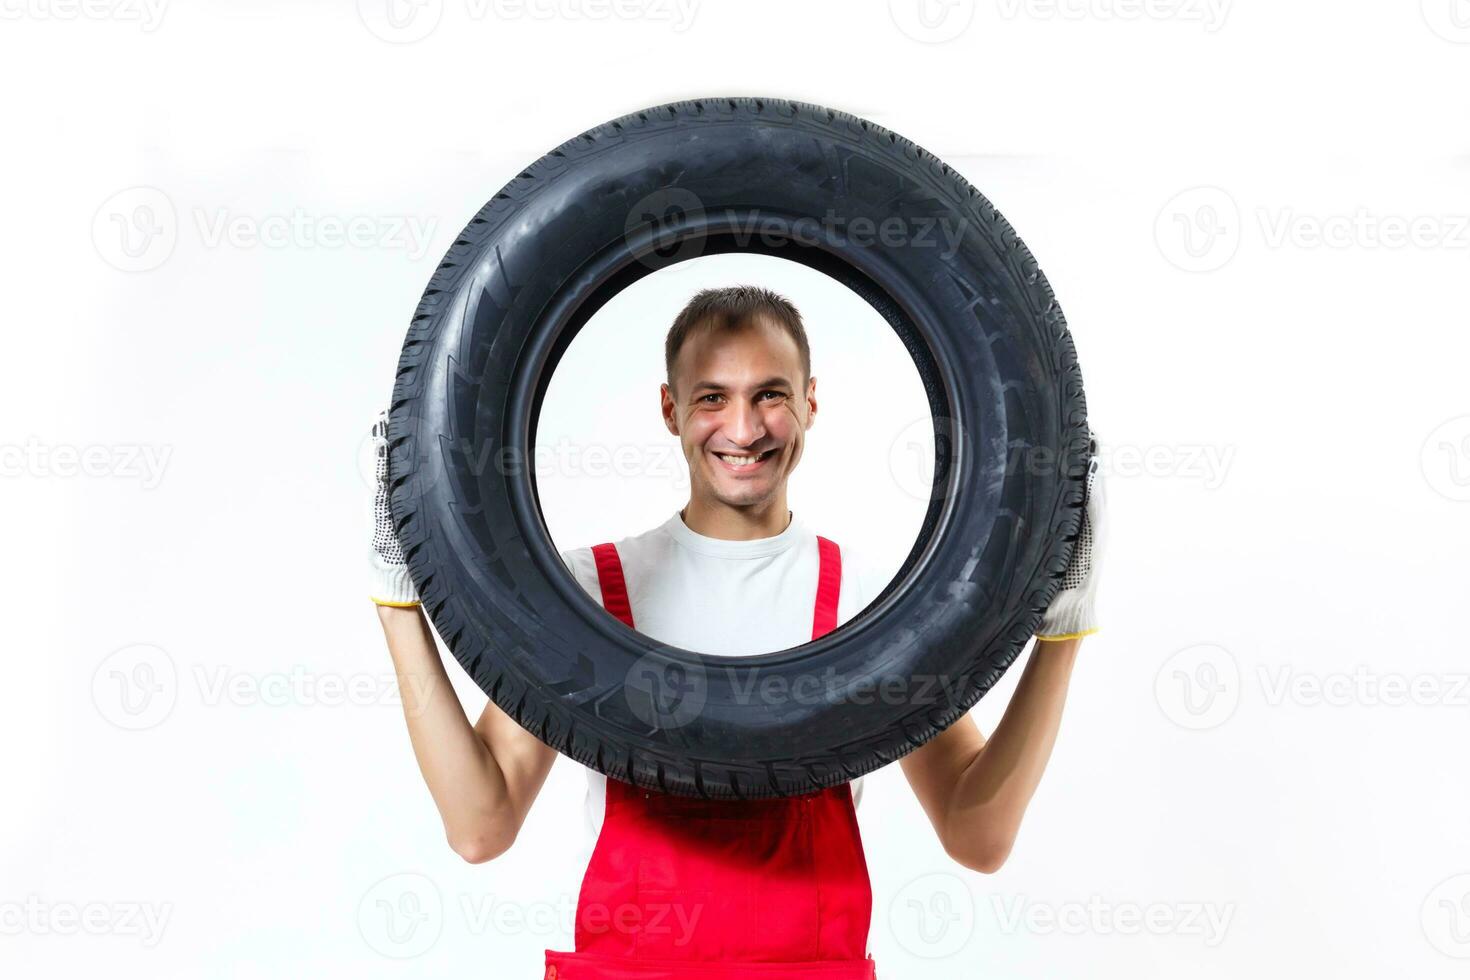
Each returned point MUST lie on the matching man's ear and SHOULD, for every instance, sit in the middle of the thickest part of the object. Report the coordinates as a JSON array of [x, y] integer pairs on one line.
[[811, 401], [668, 407]]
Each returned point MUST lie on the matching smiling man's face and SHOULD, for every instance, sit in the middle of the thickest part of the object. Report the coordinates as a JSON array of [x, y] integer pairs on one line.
[[740, 393]]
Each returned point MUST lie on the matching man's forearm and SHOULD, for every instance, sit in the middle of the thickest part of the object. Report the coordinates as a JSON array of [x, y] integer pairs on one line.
[[463, 777], [992, 792]]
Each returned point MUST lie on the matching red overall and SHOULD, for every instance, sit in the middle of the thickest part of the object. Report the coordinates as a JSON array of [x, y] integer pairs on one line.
[[689, 889]]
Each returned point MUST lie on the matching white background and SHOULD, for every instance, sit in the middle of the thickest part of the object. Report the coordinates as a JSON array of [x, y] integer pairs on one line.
[[1264, 751]]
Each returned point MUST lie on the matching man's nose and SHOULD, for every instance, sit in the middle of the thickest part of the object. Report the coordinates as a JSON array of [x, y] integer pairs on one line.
[[744, 426]]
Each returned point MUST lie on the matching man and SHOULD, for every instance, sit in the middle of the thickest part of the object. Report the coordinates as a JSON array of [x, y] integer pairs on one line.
[[778, 883]]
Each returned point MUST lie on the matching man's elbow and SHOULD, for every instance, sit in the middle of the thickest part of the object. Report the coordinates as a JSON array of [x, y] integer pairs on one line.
[[481, 846], [985, 854]]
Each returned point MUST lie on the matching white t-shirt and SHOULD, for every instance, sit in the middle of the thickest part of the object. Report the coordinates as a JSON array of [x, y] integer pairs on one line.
[[720, 597]]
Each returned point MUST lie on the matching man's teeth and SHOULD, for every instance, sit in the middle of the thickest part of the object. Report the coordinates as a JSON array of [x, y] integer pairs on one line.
[[743, 460]]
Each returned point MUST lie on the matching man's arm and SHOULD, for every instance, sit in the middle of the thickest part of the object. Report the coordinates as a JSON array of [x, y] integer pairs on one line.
[[975, 790], [483, 778]]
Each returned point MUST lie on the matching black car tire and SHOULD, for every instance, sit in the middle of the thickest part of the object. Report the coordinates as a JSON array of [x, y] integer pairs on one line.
[[812, 185]]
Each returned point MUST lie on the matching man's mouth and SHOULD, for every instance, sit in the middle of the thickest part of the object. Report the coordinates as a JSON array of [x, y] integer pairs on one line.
[[747, 461]]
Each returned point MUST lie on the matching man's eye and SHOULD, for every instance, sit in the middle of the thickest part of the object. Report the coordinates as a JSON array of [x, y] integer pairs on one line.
[[711, 395], [778, 394]]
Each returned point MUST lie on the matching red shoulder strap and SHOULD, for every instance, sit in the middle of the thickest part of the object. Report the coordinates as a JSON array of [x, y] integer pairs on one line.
[[829, 586], [610, 579]]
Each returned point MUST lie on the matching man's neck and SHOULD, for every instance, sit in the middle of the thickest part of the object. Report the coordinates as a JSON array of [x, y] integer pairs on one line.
[[736, 523]]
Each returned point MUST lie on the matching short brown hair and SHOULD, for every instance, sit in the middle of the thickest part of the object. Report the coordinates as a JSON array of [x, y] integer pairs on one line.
[[734, 308]]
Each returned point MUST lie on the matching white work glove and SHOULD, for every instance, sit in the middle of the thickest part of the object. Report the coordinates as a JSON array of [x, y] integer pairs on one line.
[[1073, 612], [389, 584]]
